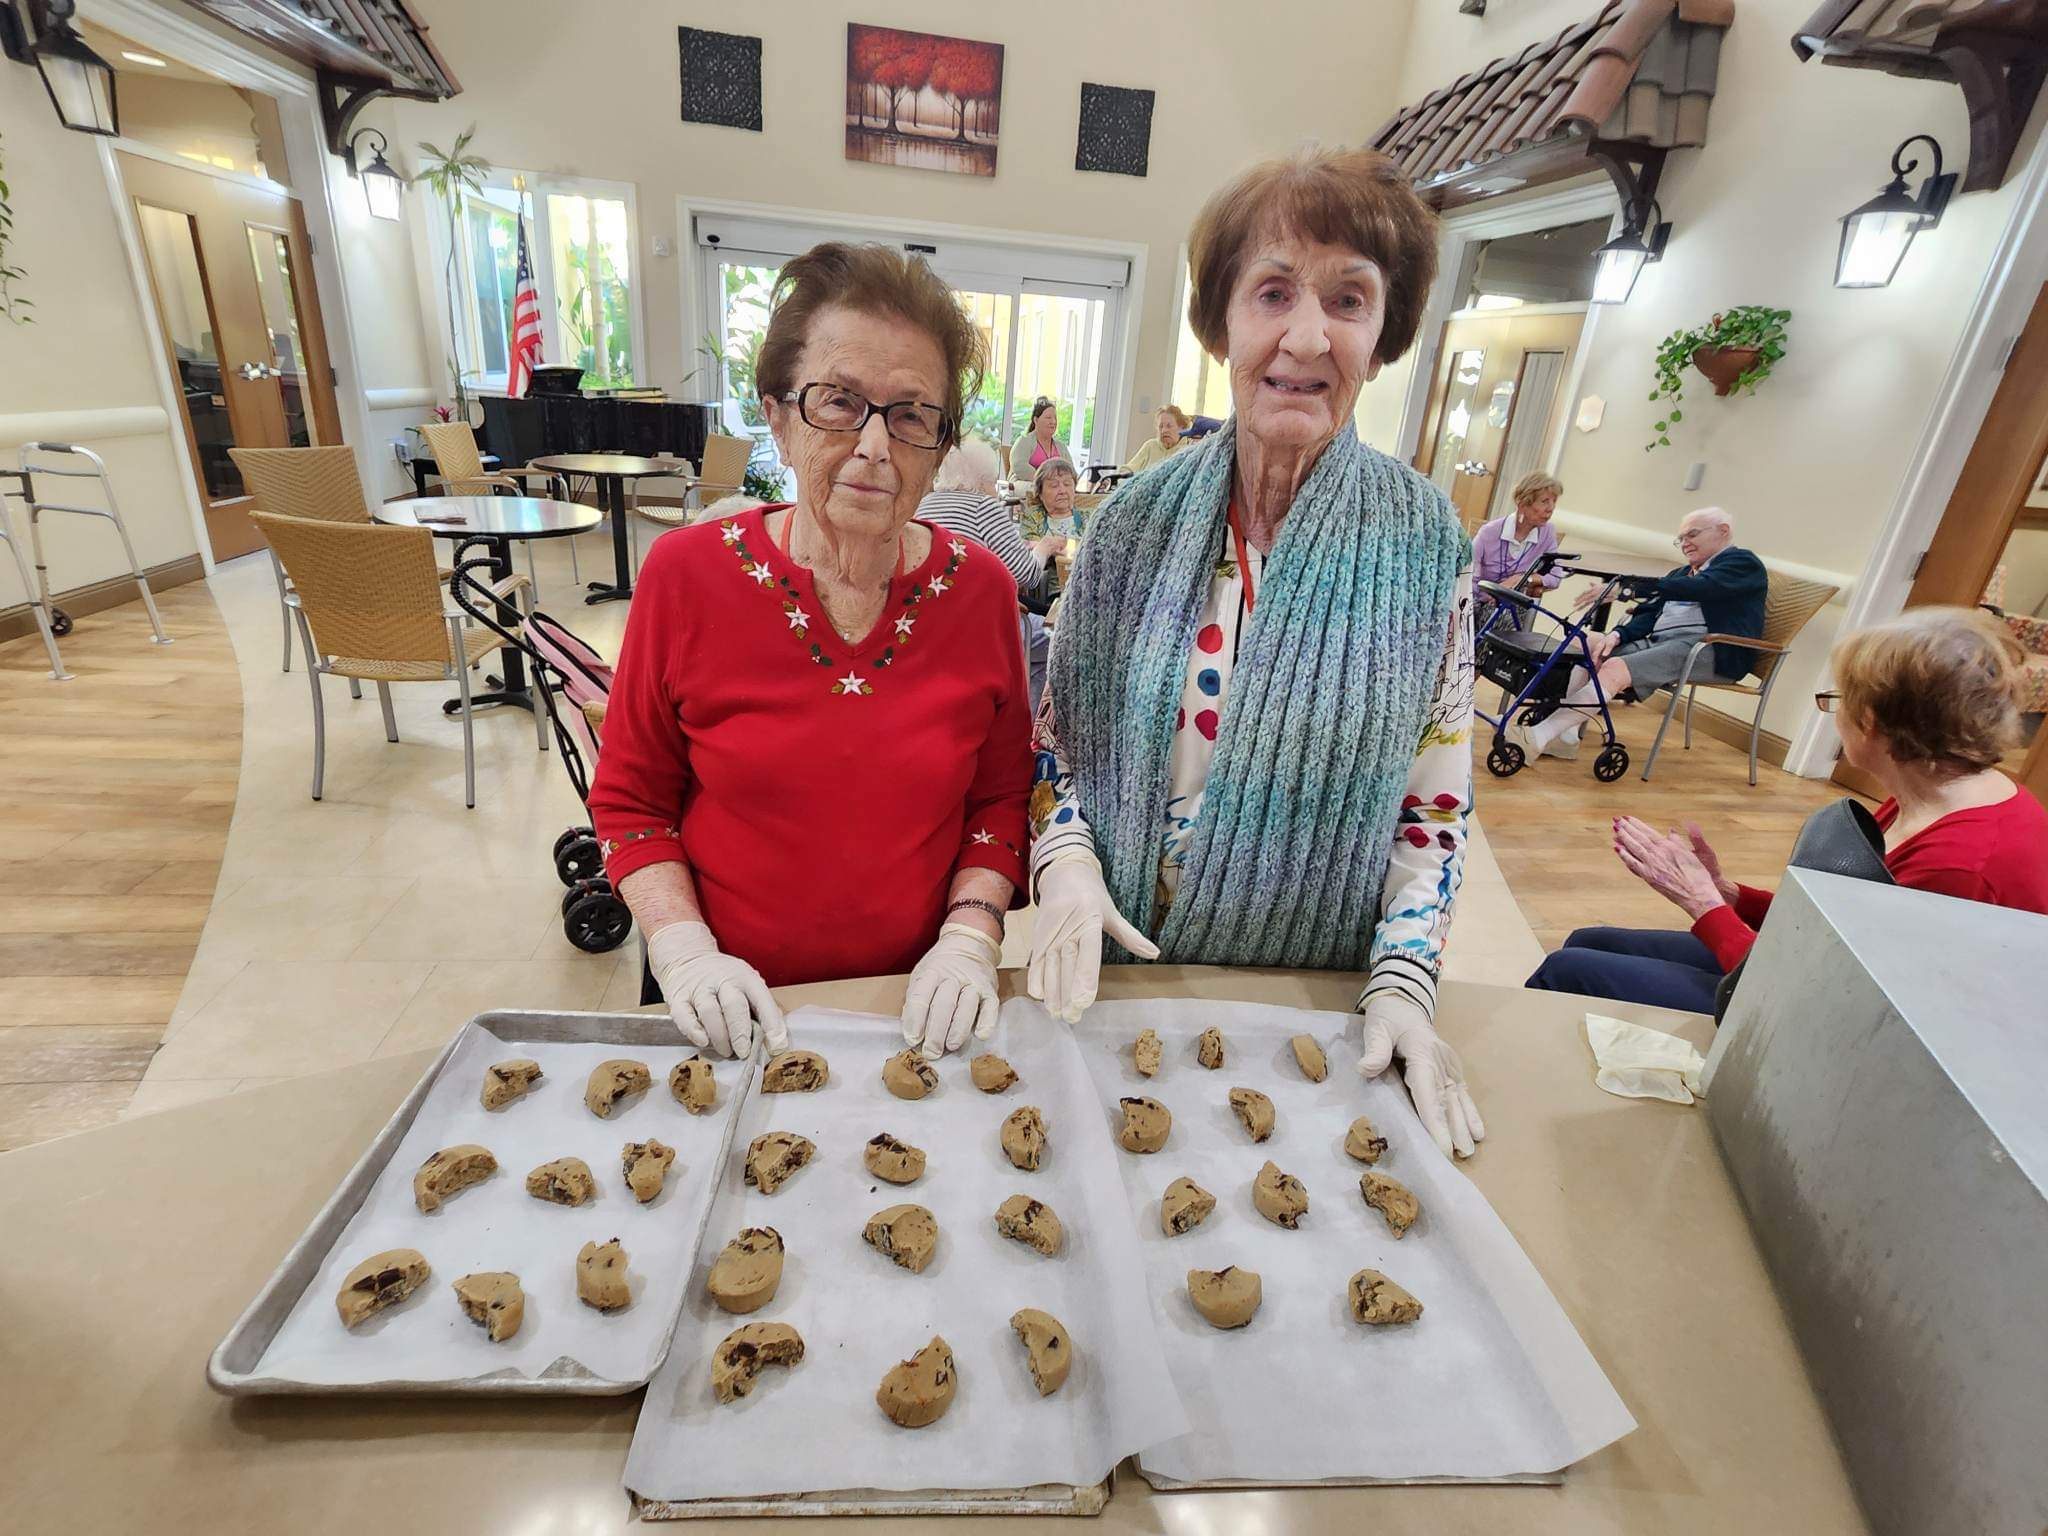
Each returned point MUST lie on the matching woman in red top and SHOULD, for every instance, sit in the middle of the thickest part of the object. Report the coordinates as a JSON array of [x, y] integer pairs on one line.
[[1925, 705], [817, 754]]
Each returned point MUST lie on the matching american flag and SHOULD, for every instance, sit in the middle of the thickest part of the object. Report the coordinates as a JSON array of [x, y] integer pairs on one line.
[[525, 323]]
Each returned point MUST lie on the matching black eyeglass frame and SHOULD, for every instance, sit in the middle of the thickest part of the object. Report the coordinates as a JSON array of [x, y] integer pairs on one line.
[[796, 397]]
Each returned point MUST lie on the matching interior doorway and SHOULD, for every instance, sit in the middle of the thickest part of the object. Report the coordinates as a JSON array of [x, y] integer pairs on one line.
[[1991, 549]]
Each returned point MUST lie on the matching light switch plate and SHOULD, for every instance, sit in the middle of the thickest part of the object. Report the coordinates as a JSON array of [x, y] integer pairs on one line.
[[663, 246], [1694, 476]]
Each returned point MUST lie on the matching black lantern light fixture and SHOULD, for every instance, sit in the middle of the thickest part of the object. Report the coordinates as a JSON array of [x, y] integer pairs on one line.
[[383, 187], [1876, 236], [80, 82], [1622, 259]]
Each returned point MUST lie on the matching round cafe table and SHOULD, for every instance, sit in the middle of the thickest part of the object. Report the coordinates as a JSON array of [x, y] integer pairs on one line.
[[497, 520], [610, 472]]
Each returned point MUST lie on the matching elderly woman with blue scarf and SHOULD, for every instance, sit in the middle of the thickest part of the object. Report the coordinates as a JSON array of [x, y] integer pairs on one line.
[[1255, 748]]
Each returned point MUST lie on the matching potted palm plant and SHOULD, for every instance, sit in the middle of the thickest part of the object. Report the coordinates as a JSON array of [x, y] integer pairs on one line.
[[1736, 350], [450, 174]]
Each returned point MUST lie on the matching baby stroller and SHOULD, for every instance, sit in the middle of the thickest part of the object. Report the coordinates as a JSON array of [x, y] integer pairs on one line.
[[1534, 671], [573, 684]]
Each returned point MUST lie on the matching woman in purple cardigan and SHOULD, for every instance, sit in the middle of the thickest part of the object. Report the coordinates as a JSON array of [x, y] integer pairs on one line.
[[1506, 550]]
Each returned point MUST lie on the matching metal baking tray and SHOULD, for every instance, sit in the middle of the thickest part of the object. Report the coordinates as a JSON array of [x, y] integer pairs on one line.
[[1042, 1499], [232, 1367]]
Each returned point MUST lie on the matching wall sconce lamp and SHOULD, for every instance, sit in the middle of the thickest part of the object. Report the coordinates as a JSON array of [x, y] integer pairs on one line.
[[1876, 236], [1622, 259], [80, 82], [383, 187]]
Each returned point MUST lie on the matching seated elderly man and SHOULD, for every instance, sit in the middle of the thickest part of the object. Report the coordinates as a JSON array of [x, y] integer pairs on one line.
[[1719, 590]]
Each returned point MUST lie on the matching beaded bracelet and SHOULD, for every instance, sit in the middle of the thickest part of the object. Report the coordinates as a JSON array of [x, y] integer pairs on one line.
[[979, 905]]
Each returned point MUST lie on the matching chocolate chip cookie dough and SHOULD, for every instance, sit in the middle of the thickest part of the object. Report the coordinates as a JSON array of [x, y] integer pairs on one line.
[[1279, 1197], [1376, 1299], [1146, 1052], [773, 1157], [646, 1165], [1226, 1298], [1209, 1048], [380, 1281], [509, 1080], [1254, 1112], [565, 1181], [908, 1234], [601, 1276], [991, 1073], [908, 1075], [1185, 1206], [1146, 1125], [1363, 1142], [1023, 1137], [743, 1353], [494, 1299], [747, 1271], [898, 1162], [1392, 1199], [1047, 1349], [918, 1391], [1308, 1055], [1030, 1222], [795, 1072], [450, 1171], [694, 1085], [612, 1083]]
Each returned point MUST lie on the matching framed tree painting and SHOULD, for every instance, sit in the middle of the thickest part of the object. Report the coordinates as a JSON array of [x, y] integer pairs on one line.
[[915, 99]]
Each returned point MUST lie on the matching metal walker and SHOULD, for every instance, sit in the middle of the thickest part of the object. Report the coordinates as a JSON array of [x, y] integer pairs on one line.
[[52, 621]]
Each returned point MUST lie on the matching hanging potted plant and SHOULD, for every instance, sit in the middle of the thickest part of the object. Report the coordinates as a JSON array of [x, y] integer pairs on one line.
[[1736, 350]]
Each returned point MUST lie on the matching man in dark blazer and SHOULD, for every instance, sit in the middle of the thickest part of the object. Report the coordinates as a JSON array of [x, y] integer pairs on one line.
[[1719, 590]]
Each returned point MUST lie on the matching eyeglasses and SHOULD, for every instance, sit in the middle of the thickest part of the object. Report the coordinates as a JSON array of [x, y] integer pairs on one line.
[[1826, 702], [831, 408], [1684, 539]]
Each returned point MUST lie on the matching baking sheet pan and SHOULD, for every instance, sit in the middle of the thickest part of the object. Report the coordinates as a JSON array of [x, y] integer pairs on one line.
[[1492, 1383], [815, 1428], [290, 1340]]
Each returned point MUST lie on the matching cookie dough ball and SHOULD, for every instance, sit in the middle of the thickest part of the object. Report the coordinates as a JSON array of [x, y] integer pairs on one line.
[[918, 1391], [1376, 1299], [694, 1086], [1146, 1052], [1185, 1206], [1392, 1199], [747, 1271], [1146, 1124], [909, 1234], [742, 1353], [1254, 1112], [646, 1164], [565, 1181], [1030, 1222], [509, 1080], [601, 1276], [908, 1075], [795, 1072], [380, 1281], [1280, 1197], [1363, 1142], [991, 1073], [1047, 1349], [1209, 1048], [773, 1157], [612, 1083], [1308, 1055], [450, 1171], [896, 1161], [494, 1299], [1024, 1138], [1226, 1298]]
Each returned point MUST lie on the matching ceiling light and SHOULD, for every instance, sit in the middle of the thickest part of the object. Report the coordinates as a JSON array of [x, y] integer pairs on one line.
[[148, 59], [1623, 258], [1876, 236]]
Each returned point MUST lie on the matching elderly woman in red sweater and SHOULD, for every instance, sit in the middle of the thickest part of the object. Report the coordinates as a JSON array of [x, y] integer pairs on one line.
[[1926, 707], [816, 760]]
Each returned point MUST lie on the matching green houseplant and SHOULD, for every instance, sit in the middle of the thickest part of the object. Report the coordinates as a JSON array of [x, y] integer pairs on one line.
[[1736, 350], [12, 308], [450, 174]]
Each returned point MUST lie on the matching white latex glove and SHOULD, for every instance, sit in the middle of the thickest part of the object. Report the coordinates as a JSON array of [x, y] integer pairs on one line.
[[1396, 1026], [1074, 911], [952, 991], [714, 998]]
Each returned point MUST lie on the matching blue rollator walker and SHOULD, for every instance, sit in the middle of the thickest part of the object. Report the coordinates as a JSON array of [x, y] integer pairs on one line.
[[1534, 671]]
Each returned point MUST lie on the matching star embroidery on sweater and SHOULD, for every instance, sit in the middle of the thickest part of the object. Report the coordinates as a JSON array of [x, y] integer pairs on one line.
[[730, 532], [903, 624], [799, 621], [959, 550], [760, 572], [851, 684], [984, 836], [938, 585]]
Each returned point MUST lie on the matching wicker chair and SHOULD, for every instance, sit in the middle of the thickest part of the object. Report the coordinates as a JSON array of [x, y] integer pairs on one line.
[[722, 472], [370, 607], [461, 467], [1788, 604], [316, 483]]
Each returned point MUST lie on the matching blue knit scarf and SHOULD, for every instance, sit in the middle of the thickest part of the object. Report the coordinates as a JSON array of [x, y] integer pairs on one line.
[[1327, 702]]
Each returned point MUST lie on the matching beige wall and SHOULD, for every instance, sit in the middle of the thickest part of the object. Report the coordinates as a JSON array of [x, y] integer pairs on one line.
[[203, 121], [1812, 464], [1235, 82], [84, 368]]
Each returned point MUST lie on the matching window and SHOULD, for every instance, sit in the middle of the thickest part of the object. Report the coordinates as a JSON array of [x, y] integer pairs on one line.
[[1201, 383], [580, 236]]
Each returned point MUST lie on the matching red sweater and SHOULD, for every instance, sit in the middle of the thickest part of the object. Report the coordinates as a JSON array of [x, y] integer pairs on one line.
[[823, 794], [1995, 853]]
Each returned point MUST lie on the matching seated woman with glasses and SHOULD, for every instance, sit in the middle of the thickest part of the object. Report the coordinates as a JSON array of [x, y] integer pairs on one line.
[[1051, 513], [1926, 705], [817, 759]]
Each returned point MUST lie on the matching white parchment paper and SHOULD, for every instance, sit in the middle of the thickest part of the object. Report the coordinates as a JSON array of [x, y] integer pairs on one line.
[[1491, 1382], [815, 1427], [496, 1225]]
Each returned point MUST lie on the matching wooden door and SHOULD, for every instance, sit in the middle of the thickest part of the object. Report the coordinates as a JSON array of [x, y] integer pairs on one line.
[[232, 275], [1475, 401], [1988, 510]]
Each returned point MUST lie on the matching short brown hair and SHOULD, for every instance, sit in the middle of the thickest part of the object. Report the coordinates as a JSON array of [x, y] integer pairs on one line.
[[1939, 684], [1050, 468], [1179, 416], [1351, 197], [871, 280], [1534, 484]]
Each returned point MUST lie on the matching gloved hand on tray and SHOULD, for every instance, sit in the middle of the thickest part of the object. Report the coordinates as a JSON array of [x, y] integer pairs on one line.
[[1396, 1025], [1074, 912], [716, 1000], [952, 993]]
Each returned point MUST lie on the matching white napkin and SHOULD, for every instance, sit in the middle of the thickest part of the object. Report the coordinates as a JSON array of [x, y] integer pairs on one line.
[[1640, 1063]]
